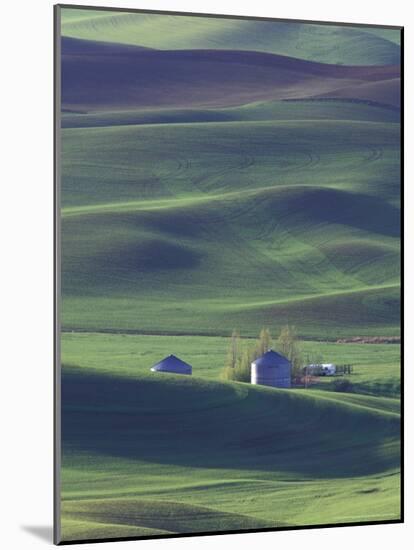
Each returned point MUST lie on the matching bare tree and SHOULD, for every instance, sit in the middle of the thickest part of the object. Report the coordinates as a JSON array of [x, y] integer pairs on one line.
[[241, 355], [234, 350], [242, 371], [264, 343], [288, 345]]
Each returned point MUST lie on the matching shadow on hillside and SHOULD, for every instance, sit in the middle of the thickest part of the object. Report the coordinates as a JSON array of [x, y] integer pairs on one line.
[[169, 420]]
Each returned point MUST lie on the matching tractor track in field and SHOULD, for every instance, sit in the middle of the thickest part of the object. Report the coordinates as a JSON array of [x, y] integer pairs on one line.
[[374, 154], [274, 229], [247, 251]]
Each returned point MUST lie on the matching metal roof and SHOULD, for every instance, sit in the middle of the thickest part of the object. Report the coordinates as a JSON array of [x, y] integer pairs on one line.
[[272, 359], [172, 364]]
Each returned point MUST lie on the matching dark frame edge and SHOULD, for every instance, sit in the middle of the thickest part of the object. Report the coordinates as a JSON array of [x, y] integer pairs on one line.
[[402, 286], [56, 278]]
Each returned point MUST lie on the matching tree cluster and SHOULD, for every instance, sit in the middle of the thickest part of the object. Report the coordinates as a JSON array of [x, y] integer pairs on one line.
[[242, 352]]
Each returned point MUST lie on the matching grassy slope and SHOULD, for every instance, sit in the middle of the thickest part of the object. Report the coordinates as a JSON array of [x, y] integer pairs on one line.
[[97, 76], [282, 197], [326, 44], [387, 92], [205, 438], [376, 366], [222, 215], [268, 110]]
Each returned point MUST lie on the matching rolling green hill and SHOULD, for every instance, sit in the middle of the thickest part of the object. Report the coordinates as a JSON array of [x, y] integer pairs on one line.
[[219, 441], [304, 211], [376, 368], [97, 77], [256, 111], [322, 43], [224, 174]]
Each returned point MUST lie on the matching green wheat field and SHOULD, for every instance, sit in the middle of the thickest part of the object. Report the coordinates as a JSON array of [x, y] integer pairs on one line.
[[222, 174]]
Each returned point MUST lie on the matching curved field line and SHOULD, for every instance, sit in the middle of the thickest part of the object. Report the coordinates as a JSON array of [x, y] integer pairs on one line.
[[313, 296]]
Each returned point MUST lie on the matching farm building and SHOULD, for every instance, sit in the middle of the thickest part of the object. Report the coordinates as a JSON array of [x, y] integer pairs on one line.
[[172, 364], [324, 369], [271, 369]]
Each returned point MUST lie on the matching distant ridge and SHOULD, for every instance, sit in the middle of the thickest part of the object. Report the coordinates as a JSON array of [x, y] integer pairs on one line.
[[78, 46], [125, 77], [323, 43]]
